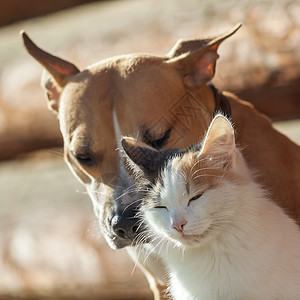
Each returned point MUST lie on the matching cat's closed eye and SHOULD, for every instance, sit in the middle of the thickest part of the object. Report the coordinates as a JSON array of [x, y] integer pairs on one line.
[[161, 206], [195, 198]]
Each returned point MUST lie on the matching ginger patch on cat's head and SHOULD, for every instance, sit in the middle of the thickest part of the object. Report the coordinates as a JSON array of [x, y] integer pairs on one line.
[[199, 173]]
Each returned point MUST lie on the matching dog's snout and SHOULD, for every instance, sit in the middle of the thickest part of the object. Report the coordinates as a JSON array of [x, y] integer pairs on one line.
[[125, 227]]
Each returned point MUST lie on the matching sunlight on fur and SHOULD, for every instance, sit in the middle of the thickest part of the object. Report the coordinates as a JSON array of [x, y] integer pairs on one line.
[[213, 225]]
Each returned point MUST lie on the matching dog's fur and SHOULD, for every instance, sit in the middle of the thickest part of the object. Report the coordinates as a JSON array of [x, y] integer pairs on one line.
[[151, 97]]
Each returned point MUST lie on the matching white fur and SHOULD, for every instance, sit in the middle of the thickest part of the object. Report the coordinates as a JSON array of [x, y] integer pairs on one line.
[[236, 244]]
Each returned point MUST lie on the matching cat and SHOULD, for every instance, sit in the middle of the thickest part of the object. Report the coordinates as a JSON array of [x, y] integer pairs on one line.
[[213, 225]]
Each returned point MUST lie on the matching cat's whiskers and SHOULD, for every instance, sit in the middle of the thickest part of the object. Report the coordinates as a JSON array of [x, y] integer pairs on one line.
[[139, 248], [208, 175], [130, 204], [142, 252], [159, 243], [203, 169], [182, 182], [197, 162], [127, 191], [139, 223], [168, 245], [141, 237], [164, 244], [183, 174]]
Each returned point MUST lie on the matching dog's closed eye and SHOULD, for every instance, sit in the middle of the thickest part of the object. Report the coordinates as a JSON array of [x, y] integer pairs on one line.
[[156, 142], [85, 159]]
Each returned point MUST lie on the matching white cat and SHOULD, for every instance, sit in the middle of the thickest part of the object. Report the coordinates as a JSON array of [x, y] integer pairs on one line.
[[213, 225]]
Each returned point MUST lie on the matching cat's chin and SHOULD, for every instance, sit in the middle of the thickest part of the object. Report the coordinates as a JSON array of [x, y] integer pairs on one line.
[[184, 240]]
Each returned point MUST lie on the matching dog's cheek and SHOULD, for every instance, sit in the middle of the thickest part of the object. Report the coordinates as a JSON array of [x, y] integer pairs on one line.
[[102, 199], [104, 216]]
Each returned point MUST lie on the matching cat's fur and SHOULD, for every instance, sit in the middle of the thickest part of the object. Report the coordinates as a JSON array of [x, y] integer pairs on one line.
[[219, 234]]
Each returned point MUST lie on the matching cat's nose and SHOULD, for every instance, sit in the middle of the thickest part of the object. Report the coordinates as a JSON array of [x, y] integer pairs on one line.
[[179, 225]]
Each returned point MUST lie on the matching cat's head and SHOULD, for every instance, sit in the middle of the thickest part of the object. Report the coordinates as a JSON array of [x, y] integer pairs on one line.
[[189, 192]]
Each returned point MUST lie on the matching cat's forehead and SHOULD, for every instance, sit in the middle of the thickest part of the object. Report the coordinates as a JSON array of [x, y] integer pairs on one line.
[[197, 171]]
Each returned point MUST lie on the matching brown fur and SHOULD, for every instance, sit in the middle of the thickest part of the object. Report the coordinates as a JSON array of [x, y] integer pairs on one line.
[[158, 93], [201, 175]]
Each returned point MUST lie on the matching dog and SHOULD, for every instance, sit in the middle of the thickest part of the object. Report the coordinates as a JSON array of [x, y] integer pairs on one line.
[[167, 102]]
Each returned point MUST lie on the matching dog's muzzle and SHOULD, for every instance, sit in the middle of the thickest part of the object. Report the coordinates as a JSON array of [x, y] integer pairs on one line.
[[126, 225], [118, 213]]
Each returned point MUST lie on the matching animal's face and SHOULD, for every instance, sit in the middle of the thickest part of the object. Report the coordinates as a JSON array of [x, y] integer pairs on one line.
[[163, 101], [127, 102], [181, 206], [139, 100], [195, 195]]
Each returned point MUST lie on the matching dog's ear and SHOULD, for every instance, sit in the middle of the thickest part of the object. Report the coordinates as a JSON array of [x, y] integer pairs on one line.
[[59, 70], [143, 158], [196, 59], [184, 46], [52, 90]]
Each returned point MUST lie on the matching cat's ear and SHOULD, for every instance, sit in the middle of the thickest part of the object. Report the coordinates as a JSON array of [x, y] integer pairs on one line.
[[146, 158], [219, 142]]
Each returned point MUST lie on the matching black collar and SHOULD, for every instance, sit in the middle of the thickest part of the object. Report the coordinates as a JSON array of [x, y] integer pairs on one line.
[[221, 102]]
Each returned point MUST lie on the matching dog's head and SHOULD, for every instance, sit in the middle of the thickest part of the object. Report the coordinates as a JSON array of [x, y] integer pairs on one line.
[[162, 100]]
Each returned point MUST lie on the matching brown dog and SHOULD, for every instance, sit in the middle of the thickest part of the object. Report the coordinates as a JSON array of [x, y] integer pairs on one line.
[[165, 102]]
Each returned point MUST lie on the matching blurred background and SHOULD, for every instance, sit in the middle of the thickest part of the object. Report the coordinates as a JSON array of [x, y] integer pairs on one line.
[[50, 244]]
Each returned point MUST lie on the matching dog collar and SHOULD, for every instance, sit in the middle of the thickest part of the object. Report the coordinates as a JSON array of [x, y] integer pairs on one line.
[[221, 102]]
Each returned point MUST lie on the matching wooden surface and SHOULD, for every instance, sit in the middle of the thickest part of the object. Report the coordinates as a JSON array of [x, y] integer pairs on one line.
[[50, 244], [261, 62], [16, 10]]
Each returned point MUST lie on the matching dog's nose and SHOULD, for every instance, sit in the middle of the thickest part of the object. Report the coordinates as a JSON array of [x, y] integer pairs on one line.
[[125, 227]]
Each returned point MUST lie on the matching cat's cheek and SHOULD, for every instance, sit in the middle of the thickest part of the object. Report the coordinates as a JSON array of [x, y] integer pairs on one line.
[[155, 220]]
